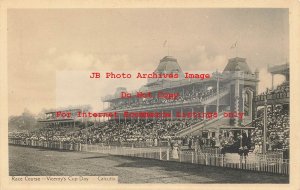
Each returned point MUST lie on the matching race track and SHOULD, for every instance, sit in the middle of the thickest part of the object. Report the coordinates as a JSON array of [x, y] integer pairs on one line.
[[24, 161]]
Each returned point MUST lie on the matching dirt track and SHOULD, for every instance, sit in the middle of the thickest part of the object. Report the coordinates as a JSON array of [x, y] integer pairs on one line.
[[25, 161]]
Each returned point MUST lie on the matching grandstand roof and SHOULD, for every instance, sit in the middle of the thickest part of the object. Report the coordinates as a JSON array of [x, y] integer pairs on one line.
[[168, 64], [237, 64], [279, 69]]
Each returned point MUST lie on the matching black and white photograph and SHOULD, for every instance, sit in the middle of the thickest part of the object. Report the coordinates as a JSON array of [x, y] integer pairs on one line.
[[151, 95]]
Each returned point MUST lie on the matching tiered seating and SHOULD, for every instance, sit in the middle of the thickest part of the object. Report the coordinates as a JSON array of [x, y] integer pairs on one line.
[[189, 95], [109, 132], [277, 123]]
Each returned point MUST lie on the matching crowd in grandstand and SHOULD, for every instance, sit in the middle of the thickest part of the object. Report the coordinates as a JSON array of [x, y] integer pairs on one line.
[[277, 127], [111, 132], [277, 121], [283, 88], [127, 131], [156, 131]]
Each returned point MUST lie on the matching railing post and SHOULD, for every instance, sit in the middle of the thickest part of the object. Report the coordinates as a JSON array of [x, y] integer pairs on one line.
[[160, 154], [179, 156], [168, 154], [280, 165], [241, 160], [222, 160], [140, 152], [192, 157]]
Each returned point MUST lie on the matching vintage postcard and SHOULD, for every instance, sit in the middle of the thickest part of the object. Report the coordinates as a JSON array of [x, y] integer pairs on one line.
[[149, 95]]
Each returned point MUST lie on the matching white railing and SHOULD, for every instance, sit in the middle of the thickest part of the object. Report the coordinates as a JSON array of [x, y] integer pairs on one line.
[[260, 164]]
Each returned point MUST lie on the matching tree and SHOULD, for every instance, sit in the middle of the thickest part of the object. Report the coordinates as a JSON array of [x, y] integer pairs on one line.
[[25, 121]]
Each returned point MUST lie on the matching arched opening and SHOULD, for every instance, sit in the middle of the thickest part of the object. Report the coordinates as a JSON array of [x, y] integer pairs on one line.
[[247, 102]]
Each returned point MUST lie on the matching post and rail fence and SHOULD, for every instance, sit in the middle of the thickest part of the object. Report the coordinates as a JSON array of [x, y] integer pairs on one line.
[[259, 163]]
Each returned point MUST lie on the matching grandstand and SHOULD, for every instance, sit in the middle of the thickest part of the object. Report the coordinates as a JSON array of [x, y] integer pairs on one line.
[[52, 119], [276, 103], [232, 91]]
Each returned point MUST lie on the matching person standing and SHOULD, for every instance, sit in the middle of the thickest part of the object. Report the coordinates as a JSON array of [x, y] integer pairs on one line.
[[155, 142], [175, 151]]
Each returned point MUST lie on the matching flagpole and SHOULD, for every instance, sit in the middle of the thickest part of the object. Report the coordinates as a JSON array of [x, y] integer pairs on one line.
[[218, 92], [164, 45], [235, 46], [236, 49]]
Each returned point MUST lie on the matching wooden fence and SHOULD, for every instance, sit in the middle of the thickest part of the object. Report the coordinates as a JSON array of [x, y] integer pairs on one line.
[[257, 163]]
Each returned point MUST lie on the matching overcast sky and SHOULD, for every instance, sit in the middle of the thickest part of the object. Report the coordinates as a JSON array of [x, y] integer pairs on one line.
[[50, 52]]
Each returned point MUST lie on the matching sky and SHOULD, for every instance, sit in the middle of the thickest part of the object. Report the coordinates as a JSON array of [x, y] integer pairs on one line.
[[52, 51]]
